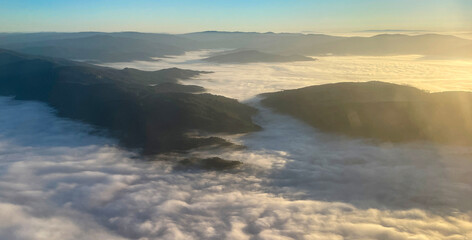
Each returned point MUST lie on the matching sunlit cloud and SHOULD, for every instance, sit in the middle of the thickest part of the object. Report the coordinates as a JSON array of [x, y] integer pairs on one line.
[[296, 182], [244, 81], [97, 191]]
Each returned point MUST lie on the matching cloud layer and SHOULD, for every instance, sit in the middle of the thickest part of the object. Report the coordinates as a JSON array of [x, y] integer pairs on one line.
[[244, 81], [62, 188], [59, 181]]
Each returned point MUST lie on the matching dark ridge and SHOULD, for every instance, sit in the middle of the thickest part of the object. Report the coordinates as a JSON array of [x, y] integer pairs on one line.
[[174, 87], [379, 110], [214, 163], [116, 47], [252, 56], [146, 110]]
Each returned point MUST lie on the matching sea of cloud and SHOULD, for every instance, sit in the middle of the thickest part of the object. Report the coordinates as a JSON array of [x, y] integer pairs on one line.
[[244, 81], [60, 180]]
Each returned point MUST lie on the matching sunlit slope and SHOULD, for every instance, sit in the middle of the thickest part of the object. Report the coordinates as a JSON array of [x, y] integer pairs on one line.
[[433, 45], [380, 110]]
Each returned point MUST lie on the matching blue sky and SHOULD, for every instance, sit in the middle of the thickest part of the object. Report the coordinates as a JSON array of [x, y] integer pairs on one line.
[[243, 15]]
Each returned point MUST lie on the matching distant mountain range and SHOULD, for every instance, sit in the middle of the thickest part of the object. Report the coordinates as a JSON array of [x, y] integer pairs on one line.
[[130, 46], [99, 47], [319, 44], [145, 110]]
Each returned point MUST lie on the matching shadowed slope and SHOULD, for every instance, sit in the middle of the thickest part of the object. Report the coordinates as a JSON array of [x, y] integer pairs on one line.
[[99, 47], [143, 109], [253, 56]]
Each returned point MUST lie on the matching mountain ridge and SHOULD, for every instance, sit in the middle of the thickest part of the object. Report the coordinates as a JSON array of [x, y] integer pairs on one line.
[[145, 110], [132, 46], [254, 56], [378, 110]]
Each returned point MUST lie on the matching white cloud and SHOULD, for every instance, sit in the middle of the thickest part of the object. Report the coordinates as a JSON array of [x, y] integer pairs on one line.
[[244, 81], [59, 182]]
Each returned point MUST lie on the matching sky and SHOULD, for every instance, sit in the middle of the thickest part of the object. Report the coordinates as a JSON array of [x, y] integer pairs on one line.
[[179, 16]]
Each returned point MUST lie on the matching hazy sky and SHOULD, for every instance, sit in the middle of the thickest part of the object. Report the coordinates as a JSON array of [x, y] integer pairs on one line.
[[243, 15]]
